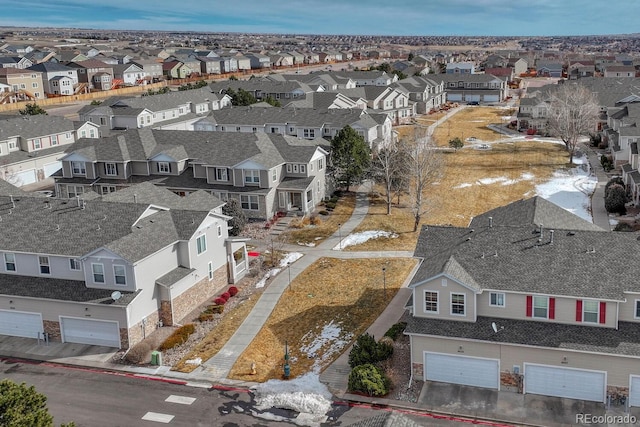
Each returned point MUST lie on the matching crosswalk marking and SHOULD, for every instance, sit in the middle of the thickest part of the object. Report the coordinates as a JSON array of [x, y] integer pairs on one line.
[[183, 400], [157, 417]]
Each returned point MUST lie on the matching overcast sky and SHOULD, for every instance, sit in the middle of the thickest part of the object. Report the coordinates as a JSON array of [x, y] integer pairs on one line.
[[376, 17]]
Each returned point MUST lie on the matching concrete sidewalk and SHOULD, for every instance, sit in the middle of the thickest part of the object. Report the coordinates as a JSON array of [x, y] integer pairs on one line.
[[598, 212], [217, 368]]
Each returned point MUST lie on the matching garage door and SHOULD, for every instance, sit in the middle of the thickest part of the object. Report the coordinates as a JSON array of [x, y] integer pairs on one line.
[[52, 168], [634, 391], [454, 97], [464, 370], [491, 98], [20, 324], [571, 383], [86, 331], [23, 178], [472, 98]]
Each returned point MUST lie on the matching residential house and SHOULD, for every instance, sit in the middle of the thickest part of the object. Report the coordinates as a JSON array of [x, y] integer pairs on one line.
[[129, 74], [31, 146], [116, 271], [326, 101], [262, 89], [504, 304], [96, 74], [172, 110], [304, 123], [209, 65], [177, 70], [427, 92], [25, 84], [482, 88], [244, 63], [281, 59], [458, 68], [368, 78], [15, 62], [549, 68], [57, 79], [152, 69], [393, 101], [581, 69], [265, 173], [17, 49], [532, 114], [298, 58], [258, 61], [620, 71]]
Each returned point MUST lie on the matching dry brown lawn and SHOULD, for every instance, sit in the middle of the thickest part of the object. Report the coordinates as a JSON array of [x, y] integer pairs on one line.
[[469, 122], [328, 223], [218, 337], [324, 310]]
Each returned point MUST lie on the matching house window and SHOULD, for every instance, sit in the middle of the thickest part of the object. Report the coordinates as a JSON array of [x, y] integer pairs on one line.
[[201, 244], [289, 168], [78, 168], [74, 264], [98, 273], [210, 270], [636, 313], [67, 135], [274, 174], [457, 304], [309, 133], [54, 139], [249, 202], [431, 302], [36, 144], [12, 145], [590, 311], [320, 164], [111, 169], [91, 133], [164, 167], [303, 168], [221, 174], [10, 262], [106, 189], [496, 299], [540, 307], [119, 274], [251, 176], [219, 231], [75, 191], [43, 261], [295, 168]]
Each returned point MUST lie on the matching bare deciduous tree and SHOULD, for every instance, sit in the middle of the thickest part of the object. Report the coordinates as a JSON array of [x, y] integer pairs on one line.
[[389, 168], [424, 167], [573, 112]]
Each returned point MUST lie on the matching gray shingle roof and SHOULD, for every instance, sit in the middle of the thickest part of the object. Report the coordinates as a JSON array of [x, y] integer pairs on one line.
[[34, 126], [148, 193], [513, 256], [624, 340], [174, 276], [60, 289]]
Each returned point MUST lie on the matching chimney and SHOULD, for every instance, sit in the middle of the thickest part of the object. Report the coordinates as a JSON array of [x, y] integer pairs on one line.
[[551, 237], [135, 198], [490, 222]]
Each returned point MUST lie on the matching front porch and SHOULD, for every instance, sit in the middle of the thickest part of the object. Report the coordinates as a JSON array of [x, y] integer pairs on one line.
[[296, 196]]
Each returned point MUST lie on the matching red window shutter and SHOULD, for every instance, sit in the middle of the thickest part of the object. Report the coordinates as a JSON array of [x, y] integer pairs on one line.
[[552, 308], [603, 312], [529, 305], [579, 310]]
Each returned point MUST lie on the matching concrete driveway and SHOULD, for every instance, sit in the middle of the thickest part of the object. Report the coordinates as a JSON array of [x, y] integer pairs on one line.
[[508, 407]]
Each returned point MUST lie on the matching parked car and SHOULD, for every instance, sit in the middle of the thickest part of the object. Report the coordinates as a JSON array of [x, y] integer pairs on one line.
[[473, 103]]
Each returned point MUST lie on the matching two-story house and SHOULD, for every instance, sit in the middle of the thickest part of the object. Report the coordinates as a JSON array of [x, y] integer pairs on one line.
[[481, 88], [529, 298], [393, 101], [426, 92], [25, 84], [110, 273], [57, 79], [97, 74], [31, 146], [265, 173], [461, 68]]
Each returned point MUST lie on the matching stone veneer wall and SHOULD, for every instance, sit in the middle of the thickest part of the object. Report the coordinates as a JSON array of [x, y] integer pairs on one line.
[[418, 371], [137, 333], [165, 313], [511, 382], [199, 293], [53, 329]]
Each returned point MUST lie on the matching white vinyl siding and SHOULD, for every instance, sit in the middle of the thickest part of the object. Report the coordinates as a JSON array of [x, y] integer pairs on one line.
[[431, 302]]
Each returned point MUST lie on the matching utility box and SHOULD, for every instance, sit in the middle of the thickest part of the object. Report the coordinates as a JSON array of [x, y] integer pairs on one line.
[[156, 358]]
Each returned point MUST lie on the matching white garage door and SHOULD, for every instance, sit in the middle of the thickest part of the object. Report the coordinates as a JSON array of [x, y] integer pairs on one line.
[[464, 370], [571, 383], [491, 98], [20, 324], [472, 98], [23, 178], [454, 97], [51, 168], [634, 391], [86, 331]]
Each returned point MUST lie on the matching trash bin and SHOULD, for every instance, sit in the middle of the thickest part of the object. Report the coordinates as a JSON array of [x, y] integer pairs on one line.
[[156, 358]]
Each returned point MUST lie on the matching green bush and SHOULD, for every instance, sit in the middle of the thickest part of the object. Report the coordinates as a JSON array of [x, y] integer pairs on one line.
[[178, 337], [395, 331], [369, 379], [367, 350], [615, 199]]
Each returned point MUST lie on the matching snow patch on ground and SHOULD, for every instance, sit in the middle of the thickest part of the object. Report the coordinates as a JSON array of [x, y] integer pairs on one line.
[[331, 340], [502, 180], [304, 394], [363, 236], [289, 258]]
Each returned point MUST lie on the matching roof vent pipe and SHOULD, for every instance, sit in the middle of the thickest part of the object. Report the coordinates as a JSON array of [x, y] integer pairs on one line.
[[490, 222], [13, 204], [135, 198], [551, 237], [541, 230]]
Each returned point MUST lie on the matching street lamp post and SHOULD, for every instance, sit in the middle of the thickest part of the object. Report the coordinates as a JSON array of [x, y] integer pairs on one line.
[[384, 281], [340, 236]]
